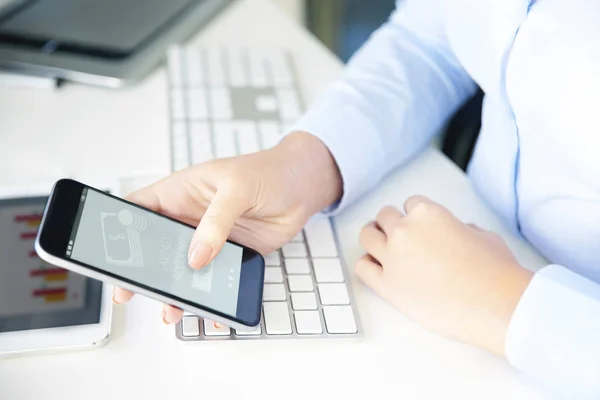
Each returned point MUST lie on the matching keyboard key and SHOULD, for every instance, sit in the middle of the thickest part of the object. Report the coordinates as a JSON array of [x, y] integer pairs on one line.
[[269, 133], [277, 318], [304, 301], [196, 106], [238, 74], [274, 292], [211, 330], [273, 259], [294, 250], [224, 140], [258, 73], [308, 322], [298, 238], [287, 126], [320, 238], [179, 145], [266, 103], [328, 270], [333, 294], [180, 163], [300, 283], [247, 136], [175, 67], [289, 106], [220, 103], [194, 68], [255, 332], [190, 327], [297, 266], [281, 69], [249, 146], [216, 76], [273, 275], [339, 319], [178, 107], [223, 149], [201, 142], [179, 130]]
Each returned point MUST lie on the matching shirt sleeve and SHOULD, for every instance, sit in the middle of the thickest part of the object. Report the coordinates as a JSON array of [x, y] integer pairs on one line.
[[394, 95], [554, 334]]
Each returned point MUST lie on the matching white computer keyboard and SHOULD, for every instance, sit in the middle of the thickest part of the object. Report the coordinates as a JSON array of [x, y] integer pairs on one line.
[[231, 101]]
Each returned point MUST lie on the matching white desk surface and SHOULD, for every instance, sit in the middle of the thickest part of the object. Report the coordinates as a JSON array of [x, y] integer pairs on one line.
[[92, 133]]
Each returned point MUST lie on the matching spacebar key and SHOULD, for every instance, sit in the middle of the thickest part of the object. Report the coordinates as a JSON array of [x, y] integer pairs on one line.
[[277, 318]]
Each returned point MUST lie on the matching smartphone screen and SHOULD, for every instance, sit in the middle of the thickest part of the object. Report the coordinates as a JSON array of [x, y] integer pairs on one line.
[[149, 249]]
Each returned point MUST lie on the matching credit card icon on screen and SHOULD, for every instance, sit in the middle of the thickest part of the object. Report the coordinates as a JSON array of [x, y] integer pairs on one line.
[[121, 234]]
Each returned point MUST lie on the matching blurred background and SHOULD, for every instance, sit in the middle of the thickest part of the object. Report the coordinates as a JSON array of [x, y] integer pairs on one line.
[[341, 25]]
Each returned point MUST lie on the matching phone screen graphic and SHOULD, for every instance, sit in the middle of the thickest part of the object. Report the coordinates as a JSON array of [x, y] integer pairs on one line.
[[143, 247]]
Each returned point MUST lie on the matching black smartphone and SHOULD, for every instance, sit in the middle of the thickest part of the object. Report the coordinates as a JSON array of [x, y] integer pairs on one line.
[[101, 236]]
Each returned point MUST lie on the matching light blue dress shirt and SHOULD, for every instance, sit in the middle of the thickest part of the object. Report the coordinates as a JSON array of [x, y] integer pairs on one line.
[[537, 160]]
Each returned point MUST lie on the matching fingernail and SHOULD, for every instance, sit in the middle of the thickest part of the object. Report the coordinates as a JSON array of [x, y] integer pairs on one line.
[[114, 299], [217, 325], [164, 321], [199, 255], [169, 318]]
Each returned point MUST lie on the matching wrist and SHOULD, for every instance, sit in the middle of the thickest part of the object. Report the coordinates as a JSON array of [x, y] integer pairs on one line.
[[512, 287], [314, 170]]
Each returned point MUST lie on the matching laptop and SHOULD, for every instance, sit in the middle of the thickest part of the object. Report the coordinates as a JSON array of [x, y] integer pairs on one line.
[[110, 43]]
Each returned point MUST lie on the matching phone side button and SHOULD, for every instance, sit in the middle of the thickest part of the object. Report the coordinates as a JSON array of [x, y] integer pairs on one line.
[[190, 327], [277, 318]]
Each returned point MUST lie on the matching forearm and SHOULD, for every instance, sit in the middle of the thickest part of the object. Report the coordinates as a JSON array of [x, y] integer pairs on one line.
[[394, 95]]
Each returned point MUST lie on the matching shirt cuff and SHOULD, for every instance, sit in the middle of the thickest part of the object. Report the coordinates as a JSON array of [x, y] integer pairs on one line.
[[554, 332], [352, 141]]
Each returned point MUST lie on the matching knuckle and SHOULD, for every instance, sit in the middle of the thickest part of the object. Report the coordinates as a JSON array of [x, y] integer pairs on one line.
[[424, 209], [398, 231], [421, 209], [387, 211]]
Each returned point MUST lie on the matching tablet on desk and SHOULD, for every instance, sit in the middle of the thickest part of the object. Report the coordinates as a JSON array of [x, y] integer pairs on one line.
[[43, 308]]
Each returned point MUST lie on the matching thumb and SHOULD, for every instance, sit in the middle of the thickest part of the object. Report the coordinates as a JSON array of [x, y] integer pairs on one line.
[[215, 227]]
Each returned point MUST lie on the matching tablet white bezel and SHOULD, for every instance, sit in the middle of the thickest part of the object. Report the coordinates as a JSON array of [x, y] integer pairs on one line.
[[59, 338]]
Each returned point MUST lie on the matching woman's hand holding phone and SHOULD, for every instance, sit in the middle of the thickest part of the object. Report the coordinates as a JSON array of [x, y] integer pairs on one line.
[[260, 200]]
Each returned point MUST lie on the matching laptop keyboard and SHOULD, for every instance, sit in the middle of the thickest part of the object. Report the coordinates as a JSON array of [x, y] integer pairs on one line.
[[231, 101]]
